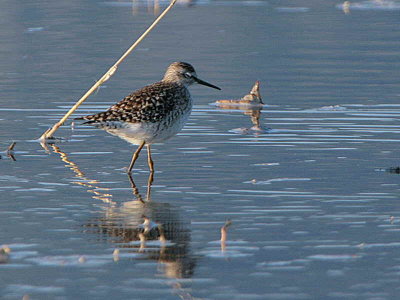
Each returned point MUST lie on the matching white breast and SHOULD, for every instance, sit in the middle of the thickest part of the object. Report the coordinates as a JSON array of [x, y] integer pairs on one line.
[[136, 133]]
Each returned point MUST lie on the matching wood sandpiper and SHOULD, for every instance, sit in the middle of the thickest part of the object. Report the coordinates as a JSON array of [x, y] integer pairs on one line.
[[153, 113]]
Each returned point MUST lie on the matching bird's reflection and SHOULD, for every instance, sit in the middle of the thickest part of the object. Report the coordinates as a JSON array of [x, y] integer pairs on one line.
[[152, 229]]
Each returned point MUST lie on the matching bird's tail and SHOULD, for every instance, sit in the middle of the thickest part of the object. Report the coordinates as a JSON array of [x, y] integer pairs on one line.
[[89, 119]]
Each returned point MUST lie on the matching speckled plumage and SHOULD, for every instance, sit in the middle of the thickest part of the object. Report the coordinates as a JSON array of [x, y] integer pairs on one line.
[[153, 113]]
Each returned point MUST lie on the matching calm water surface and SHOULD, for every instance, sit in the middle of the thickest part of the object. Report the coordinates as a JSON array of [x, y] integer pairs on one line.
[[315, 213]]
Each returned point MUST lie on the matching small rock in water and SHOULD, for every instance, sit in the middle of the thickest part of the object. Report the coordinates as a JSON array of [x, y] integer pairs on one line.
[[362, 245], [394, 170], [116, 255], [4, 254]]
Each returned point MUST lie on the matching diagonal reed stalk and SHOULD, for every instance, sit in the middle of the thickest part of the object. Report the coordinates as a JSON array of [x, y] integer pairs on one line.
[[48, 134]]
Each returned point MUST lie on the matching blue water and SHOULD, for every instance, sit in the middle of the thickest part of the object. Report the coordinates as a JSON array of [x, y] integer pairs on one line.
[[313, 204]]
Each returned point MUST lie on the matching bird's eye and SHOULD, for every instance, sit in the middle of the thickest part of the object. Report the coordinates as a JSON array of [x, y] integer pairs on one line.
[[187, 75]]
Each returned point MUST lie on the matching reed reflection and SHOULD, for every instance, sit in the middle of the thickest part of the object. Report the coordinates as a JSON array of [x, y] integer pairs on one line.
[[152, 229], [100, 193]]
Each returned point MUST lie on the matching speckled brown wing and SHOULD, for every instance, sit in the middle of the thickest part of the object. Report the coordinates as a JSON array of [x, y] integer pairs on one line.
[[149, 104]]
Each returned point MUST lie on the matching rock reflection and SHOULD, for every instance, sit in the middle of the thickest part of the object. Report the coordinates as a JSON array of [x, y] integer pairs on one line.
[[152, 6], [149, 228], [4, 254], [346, 7], [254, 113]]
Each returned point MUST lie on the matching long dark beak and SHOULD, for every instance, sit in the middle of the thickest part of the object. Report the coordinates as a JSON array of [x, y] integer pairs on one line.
[[199, 81]]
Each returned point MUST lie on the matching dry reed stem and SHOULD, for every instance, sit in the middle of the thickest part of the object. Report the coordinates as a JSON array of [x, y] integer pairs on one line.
[[11, 147], [48, 134]]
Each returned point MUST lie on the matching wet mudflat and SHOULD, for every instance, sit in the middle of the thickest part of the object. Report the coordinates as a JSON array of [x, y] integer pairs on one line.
[[314, 208]]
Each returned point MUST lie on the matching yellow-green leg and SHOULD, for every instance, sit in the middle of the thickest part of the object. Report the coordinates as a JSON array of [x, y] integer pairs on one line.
[[135, 156], [149, 160]]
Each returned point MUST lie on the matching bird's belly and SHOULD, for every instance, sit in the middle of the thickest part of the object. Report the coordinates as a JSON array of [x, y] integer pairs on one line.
[[149, 132]]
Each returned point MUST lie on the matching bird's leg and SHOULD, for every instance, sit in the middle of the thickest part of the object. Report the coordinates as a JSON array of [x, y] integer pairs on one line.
[[151, 175], [135, 156], [149, 160]]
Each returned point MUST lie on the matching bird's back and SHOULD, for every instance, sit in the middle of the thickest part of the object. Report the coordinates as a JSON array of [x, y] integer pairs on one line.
[[152, 114], [151, 104]]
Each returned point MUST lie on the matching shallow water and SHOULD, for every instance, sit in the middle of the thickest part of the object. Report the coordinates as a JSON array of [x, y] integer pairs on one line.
[[314, 208]]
